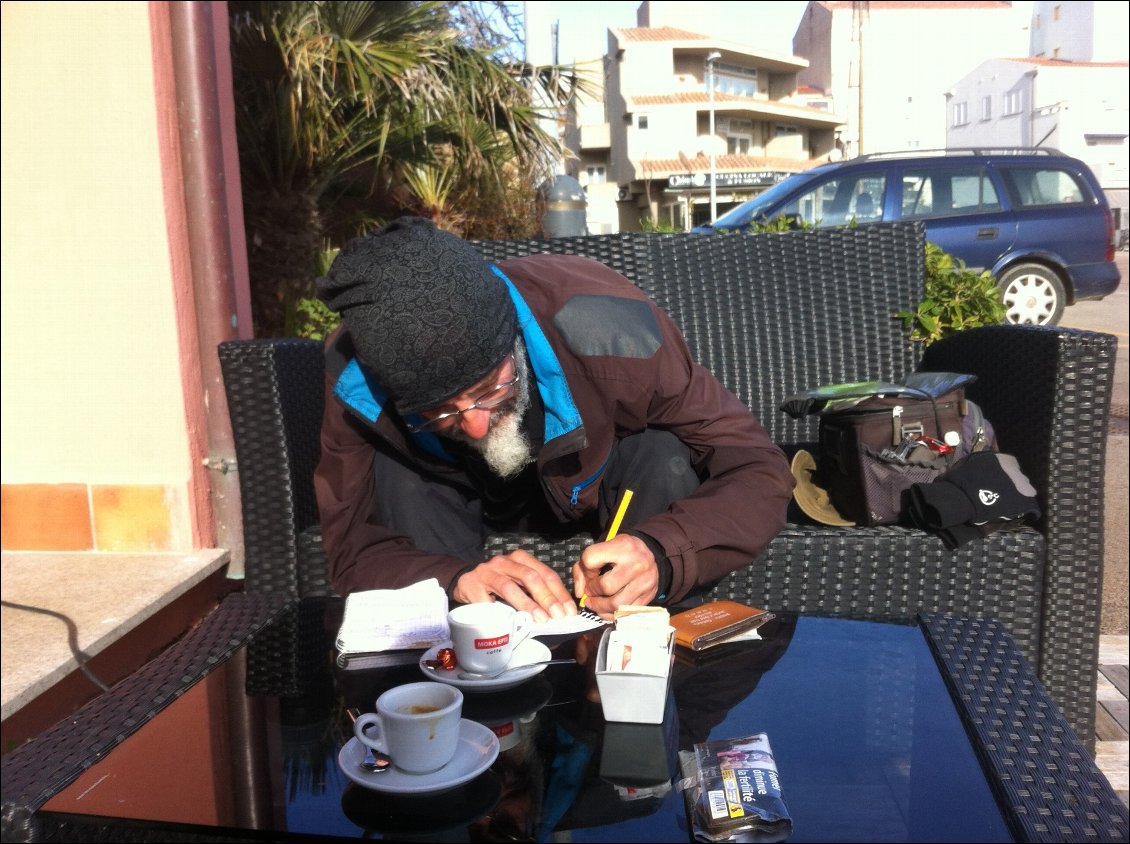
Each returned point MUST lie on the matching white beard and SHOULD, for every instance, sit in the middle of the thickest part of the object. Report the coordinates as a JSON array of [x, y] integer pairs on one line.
[[506, 447]]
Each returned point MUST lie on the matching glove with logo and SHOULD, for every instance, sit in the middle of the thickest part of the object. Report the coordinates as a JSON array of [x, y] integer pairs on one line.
[[979, 494]]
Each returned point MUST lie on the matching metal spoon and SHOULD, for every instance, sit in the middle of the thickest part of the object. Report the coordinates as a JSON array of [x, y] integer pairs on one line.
[[375, 763], [473, 675]]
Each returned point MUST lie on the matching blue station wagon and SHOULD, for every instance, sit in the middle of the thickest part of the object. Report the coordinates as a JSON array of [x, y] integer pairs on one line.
[[1035, 218]]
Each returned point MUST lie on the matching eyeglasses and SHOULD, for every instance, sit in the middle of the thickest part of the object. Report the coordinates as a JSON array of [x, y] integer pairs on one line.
[[489, 400]]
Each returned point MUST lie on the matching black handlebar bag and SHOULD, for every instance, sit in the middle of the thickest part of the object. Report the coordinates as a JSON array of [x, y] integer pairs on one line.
[[878, 439]]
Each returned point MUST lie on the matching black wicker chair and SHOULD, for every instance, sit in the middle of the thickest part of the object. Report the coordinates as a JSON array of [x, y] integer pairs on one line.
[[771, 315]]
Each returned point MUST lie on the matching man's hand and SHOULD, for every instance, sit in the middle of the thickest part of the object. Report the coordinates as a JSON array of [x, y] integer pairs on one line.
[[522, 581], [620, 571]]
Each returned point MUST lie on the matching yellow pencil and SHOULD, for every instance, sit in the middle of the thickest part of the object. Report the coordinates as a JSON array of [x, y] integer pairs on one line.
[[613, 528]]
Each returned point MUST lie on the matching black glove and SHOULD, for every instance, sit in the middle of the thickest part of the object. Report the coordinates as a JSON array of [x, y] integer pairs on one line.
[[986, 488]]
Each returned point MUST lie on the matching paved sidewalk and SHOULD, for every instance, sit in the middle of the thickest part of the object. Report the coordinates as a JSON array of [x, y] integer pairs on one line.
[[1111, 743]]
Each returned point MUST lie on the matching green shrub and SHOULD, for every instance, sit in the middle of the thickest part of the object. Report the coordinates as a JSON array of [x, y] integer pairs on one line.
[[314, 320], [649, 225], [311, 318], [956, 298]]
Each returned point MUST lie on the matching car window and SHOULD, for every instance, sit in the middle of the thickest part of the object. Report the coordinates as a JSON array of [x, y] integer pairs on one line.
[[1032, 186], [761, 204], [936, 192], [840, 200]]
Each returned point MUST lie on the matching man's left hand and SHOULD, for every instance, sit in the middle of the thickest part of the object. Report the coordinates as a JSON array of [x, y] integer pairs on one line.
[[620, 571], [519, 579]]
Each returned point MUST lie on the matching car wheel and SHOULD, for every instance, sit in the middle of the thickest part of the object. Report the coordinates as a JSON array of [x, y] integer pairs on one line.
[[1033, 295]]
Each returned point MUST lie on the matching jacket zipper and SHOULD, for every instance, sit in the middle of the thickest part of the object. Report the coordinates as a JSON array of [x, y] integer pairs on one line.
[[578, 488]]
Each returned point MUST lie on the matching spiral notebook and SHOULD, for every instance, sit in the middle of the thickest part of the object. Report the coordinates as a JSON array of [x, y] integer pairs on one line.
[[391, 626]]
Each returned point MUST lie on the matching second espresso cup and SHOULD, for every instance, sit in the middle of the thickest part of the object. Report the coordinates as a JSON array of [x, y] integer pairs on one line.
[[416, 724], [485, 635]]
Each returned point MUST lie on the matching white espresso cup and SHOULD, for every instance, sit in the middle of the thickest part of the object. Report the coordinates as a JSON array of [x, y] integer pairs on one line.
[[417, 725], [485, 635]]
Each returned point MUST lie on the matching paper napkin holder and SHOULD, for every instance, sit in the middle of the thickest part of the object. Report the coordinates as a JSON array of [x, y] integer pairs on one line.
[[630, 697]]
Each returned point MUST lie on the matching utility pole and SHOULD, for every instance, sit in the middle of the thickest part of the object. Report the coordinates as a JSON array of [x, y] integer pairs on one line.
[[860, 9], [710, 60]]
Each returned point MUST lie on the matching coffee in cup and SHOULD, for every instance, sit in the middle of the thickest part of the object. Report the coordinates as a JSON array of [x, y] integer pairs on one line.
[[485, 635], [416, 724]]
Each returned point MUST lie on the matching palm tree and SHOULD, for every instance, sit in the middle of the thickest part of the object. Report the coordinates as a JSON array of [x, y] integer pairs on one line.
[[350, 113]]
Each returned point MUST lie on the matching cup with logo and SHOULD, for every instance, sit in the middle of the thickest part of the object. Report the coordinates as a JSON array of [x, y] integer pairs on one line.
[[485, 635]]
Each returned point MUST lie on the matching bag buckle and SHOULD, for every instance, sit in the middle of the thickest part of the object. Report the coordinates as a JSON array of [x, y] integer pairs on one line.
[[911, 430]]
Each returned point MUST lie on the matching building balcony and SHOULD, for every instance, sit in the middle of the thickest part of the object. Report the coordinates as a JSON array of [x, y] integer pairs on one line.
[[753, 108], [596, 136]]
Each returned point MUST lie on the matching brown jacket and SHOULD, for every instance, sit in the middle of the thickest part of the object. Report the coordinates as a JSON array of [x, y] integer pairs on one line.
[[608, 363]]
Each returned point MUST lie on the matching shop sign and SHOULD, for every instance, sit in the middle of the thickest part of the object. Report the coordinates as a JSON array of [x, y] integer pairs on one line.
[[748, 179]]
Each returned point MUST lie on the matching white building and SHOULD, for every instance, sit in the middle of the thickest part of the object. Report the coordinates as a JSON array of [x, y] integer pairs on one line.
[[1072, 93], [888, 65], [674, 109], [1080, 31]]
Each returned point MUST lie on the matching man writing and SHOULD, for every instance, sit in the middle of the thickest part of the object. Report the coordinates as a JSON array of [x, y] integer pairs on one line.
[[464, 398]]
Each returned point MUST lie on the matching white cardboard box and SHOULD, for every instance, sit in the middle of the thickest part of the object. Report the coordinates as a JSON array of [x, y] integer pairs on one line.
[[636, 698]]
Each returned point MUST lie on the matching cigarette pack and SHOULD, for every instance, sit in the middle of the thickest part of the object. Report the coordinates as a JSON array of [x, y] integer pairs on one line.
[[736, 791]]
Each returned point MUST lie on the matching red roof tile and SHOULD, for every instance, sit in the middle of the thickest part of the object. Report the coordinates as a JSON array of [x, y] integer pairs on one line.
[[894, 5], [1044, 61], [660, 33], [723, 163]]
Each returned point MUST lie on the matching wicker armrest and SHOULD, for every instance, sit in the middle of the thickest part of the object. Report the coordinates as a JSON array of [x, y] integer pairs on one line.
[[1047, 392], [43, 767], [1043, 775]]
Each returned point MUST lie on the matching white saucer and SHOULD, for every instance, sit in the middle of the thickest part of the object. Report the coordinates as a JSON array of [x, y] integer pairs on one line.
[[530, 650], [477, 750]]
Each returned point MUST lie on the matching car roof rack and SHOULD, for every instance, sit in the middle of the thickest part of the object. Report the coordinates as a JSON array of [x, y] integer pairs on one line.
[[959, 151]]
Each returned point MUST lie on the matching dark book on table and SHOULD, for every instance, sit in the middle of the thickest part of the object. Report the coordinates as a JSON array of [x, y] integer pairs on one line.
[[379, 659], [716, 623]]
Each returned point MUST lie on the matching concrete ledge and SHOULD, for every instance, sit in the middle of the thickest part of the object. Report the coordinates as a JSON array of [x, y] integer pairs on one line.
[[104, 596]]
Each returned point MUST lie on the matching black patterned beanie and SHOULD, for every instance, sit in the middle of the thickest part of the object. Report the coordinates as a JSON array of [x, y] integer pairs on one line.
[[427, 315]]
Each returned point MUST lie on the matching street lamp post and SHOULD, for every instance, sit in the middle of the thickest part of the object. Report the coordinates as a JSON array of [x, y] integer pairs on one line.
[[710, 60]]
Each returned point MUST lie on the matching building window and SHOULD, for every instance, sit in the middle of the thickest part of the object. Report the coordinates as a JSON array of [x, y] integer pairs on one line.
[[1057, 13], [739, 134], [960, 114], [596, 175], [986, 108], [735, 79], [1012, 102], [641, 121], [781, 131]]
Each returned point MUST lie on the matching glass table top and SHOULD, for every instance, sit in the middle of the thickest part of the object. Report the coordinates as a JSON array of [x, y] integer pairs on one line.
[[867, 740]]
